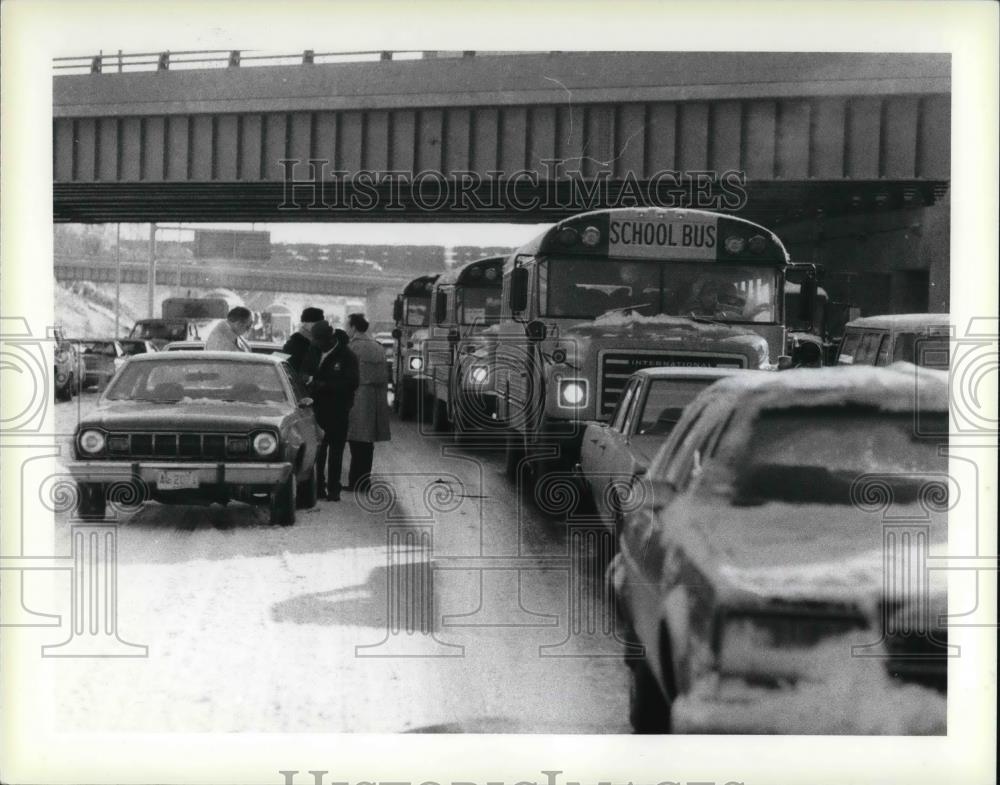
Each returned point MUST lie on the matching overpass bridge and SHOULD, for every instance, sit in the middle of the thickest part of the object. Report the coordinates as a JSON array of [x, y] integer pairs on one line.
[[844, 154], [230, 276]]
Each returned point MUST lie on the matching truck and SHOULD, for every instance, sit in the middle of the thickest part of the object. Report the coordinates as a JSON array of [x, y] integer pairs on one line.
[[602, 294]]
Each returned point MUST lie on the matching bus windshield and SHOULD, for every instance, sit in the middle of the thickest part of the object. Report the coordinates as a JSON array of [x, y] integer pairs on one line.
[[477, 305], [418, 312], [587, 288]]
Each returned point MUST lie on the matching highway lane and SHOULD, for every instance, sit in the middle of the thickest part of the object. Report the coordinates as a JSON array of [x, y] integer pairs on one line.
[[442, 601]]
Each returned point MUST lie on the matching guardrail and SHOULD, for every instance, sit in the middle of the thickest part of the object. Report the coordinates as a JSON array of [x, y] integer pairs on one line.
[[124, 62]]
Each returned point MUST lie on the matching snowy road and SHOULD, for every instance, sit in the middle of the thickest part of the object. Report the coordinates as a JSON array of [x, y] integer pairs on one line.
[[443, 602]]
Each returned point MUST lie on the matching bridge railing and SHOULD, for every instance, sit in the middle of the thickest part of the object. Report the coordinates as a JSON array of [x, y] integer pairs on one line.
[[122, 62]]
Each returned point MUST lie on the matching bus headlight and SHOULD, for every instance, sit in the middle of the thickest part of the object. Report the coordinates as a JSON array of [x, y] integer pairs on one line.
[[573, 392], [416, 363], [265, 443], [478, 374], [92, 442]]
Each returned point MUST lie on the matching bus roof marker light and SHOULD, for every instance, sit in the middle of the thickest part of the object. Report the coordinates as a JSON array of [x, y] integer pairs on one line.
[[591, 236], [735, 243], [567, 236], [758, 243]]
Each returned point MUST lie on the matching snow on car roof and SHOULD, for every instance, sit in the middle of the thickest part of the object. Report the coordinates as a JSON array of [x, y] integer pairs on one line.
[[183, 354], [890, 389], [912, 320]]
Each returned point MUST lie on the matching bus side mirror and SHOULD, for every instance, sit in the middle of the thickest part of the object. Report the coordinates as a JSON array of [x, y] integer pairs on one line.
[[397, 334], [440, 308], [518, 289], [807, 299], [397, 310], [453, 336], [535, 330]]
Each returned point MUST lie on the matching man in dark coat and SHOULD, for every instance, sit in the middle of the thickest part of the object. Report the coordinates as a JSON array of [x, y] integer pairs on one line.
[[298, 344], [334, 380]]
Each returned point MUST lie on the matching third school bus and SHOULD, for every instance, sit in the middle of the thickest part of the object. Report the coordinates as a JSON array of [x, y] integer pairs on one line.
[[602, 294]]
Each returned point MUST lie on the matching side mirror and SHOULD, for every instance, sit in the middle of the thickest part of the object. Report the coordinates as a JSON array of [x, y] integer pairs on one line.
[[535, 330], [453, 335], [807, 299], [518, 289], [440, 308], [397, 334], [305, 403], [397, 310]]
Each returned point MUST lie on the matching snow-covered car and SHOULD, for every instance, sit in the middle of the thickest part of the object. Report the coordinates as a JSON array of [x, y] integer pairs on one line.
[[200, 427], [761, 571], [101, 360], [650, 405], [920, 338]]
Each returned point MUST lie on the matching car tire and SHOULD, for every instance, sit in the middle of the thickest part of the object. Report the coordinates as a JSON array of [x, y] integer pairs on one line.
[[439, 415], [90, 503], [283, 502], [648, 709], [308, 491], [512, 456]]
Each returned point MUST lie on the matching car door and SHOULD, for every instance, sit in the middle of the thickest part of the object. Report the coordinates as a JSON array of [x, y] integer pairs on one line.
[[301, 424]]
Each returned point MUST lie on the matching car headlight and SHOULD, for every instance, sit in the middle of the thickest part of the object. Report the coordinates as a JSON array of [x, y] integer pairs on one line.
[[479, 373], [92, 442], [265, 443], [416, 363], [573, 392]]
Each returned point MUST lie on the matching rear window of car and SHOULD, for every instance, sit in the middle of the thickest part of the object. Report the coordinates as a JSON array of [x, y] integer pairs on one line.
[[817, 455], [665, 403], [209, 381]]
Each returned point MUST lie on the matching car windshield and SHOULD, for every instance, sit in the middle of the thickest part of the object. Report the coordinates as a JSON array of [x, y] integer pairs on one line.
[[665, 403], [418, 312], [134, 347], [585, 288], [159, 331], [478, 305], [817, 455], [98, 347], [223, 381]]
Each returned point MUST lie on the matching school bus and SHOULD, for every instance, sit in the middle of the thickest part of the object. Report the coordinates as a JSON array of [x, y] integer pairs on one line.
[[601, 294], [411, 313], [464, 305]]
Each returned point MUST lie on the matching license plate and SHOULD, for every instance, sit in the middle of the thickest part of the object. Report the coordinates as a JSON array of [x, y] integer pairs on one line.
[[172, 480]]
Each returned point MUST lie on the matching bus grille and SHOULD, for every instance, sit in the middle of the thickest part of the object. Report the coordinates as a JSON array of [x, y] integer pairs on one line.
[[617, 367]]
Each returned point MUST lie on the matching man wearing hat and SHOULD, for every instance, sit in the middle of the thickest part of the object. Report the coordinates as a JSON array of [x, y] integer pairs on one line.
[[300, 342]]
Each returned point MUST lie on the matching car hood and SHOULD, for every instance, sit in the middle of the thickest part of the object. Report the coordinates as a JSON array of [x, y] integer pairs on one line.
[[820, 552], [215, 415]]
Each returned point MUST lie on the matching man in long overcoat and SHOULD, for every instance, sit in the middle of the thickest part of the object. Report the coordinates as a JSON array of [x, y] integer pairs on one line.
[[333, 385], [369, 421]]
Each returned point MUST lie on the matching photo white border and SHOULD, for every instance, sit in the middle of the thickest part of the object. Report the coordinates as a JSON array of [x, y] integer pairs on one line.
[[34, 32]]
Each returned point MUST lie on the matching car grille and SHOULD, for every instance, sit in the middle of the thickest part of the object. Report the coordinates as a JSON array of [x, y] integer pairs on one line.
[[183, 446], [617, 367]]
